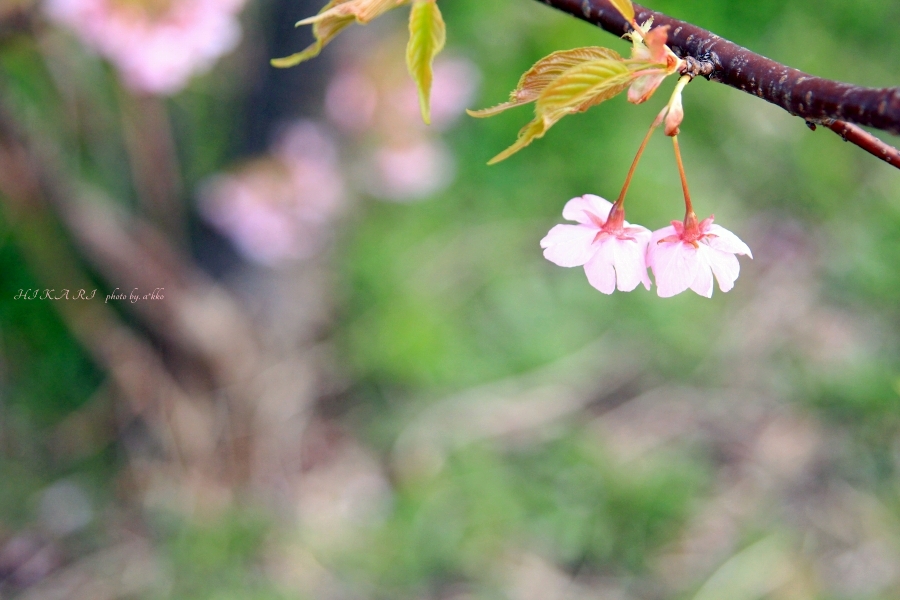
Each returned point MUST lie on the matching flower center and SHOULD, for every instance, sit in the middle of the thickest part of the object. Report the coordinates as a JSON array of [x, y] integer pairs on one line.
[[615, 221], [614, 225], [692, 232]]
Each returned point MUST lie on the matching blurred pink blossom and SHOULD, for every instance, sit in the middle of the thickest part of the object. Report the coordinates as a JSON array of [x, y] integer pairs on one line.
[[611, 251], [686, 255], [354, 94], [374, 98], [412, 171], [351, 100], [157, 45], [279, 208]]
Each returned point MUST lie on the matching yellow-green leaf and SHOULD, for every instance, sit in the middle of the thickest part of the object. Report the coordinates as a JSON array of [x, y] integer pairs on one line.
[[532, 131], [584, 85], [575, 89], [427, 34], [548, 69], [363, 11], [324, 32], [493, 110], [625, 8], [335, 16], [543, 73]]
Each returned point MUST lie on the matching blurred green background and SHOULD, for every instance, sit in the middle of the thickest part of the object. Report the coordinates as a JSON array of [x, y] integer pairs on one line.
[[403, 399]]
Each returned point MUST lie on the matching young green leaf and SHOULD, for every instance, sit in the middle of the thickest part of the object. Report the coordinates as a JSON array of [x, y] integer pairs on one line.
[[576, 89], [335, 16], [532, 131], [427, 34], [324, 31], [583, 86], [543, 73]]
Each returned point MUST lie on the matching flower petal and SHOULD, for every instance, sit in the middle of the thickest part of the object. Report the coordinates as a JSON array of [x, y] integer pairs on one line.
[[703, 282], [726, 241], [599, 269], [629, 262], [674, 265], [725, 266], [644, 86], [641, 234], [576, 209], [569, 245], [655, 40], [662, 233]]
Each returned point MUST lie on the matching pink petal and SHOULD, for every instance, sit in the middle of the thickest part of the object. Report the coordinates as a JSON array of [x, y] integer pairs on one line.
[[674, 117], [662, 233], [726, 241], [725, 266], [575, 208], [569, 245], [644, 86], [703, 282], [641, 234], [655, 40], [629, 262], [600, 272], [674, 265]]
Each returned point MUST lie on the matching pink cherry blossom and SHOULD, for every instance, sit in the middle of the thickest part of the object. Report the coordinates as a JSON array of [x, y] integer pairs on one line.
[[687, 255], [156, 45], [611, 251]]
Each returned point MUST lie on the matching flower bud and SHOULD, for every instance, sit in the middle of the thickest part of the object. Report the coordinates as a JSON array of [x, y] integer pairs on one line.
[[675, 115]]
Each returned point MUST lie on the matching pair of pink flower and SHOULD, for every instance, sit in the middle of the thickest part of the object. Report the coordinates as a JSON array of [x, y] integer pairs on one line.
[[616, 254]]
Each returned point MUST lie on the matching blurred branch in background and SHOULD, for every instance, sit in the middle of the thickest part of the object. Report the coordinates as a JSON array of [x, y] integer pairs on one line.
[[147, 132], [226, 411], [14, 17]]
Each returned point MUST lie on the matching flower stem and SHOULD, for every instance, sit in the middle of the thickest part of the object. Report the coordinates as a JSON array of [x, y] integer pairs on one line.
[[688, 207], [637, 158], [679, 87]]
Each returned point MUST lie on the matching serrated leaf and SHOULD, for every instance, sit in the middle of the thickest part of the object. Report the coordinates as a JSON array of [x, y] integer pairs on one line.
[[324, 31], [532, 131], [427, 34], [493, 110], [363, 11], [335, 16], [625, 8], [614, 89], [543, 73], [584, 85], [575, 89]]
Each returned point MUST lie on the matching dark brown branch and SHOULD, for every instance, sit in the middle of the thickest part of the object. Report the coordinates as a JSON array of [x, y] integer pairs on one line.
[[817, 100], [865, 140]]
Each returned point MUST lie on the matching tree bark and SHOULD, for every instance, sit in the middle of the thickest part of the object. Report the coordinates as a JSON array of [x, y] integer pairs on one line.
[[815, 99]]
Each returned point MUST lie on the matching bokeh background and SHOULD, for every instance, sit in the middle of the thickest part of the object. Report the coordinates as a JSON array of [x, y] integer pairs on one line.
[[359, 378]]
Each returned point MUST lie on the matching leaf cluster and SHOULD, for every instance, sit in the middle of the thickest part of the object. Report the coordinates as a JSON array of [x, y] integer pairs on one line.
[[427, 35]]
